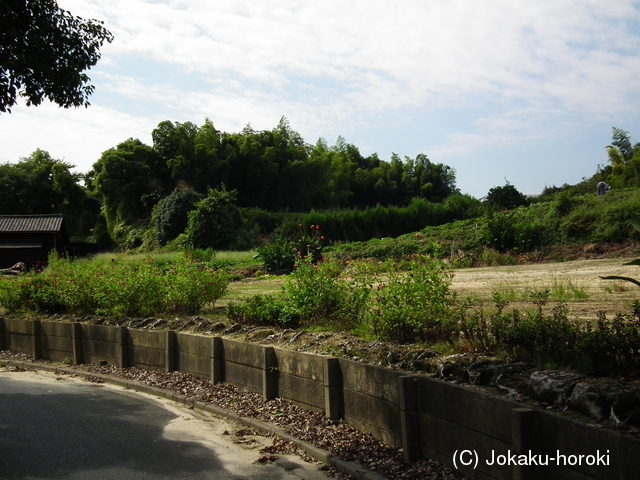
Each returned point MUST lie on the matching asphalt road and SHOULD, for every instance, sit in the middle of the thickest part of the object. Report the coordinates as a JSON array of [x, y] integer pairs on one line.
[[64, 428]]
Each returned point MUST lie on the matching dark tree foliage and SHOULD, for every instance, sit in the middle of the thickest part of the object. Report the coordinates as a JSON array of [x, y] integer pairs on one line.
[[170, 216], [128, 179], [272, 170], [41, 184], [276, 170], [44, 53], [624, 159], [215, 221], [506, 198]]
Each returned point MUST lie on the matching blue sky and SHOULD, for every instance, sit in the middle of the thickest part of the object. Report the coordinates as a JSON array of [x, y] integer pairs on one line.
[[500, 90]]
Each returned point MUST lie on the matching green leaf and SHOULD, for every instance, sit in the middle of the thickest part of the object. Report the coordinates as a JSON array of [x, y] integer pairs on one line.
[[635, 221]]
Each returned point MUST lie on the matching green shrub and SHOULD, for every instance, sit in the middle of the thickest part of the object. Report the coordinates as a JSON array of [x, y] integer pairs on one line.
[[264, 310], [282, 252], [120, 288], [610, 346], [331, 293], [191, 285], [536, 337], [170, 215], [277, 254], [414, 303], [11, 293], [505, 198], [214, 221]]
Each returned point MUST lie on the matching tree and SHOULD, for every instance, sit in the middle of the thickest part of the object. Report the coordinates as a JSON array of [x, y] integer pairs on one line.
[[171, 214], [622, 143], [44, 52], [41, 184], [506, 198], [624, 158], [126, 178], [215, 220]]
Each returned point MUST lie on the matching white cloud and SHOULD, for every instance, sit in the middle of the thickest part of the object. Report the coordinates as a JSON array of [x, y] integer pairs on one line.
[[77, 136], [506, 73]]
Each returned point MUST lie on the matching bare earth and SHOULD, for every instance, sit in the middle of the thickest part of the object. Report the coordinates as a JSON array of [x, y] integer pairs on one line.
[[583, 276], [576, 278]]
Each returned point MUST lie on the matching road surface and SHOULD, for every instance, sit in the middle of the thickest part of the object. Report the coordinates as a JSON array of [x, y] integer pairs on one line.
[[59, 427]]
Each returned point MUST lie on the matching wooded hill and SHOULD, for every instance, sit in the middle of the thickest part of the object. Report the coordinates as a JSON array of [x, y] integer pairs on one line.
[[202, 181]]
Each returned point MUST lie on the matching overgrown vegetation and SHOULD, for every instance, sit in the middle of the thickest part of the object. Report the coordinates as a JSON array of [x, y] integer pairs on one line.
[[381, 269], [552, 339], [121, 288], [511, 236], [402, 301]]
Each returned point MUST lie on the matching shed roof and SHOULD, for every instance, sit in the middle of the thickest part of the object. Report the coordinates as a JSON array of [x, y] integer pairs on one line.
[[30, 223]]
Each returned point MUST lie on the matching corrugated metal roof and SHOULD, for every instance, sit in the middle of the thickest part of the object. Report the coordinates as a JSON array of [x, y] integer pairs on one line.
[[30, 223]]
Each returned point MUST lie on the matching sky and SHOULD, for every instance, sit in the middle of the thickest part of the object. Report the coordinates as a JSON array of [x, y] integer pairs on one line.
[[517, 91]]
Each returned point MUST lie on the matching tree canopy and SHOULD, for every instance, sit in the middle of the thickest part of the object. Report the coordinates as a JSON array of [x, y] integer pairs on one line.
[[44, 53], [506, 198], [624, 159], [41, 184]]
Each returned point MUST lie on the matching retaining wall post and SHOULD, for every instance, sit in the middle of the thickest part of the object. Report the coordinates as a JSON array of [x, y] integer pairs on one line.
[[36, 331], [2, 337], [269, 373], [409, 417], [122, 346], [521, 435], [333, 393], [217, 360], [76, 341], [170, 352]]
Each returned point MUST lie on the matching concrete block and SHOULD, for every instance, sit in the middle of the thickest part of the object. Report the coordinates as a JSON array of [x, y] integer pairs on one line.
[[471, 409], [554, 433], [303, 365], [122, 346], [375, 381], [147, 349], [440, 439], [243, 353], [197, 365], [18, 327], [306, 393], [244, 376], [76, 339], [193, 355], [373, 415]]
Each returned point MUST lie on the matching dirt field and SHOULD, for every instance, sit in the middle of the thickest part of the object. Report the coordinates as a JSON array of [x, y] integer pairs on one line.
[[576, 282]]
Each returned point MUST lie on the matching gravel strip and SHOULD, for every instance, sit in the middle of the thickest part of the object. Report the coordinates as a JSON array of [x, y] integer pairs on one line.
[[337, 437]]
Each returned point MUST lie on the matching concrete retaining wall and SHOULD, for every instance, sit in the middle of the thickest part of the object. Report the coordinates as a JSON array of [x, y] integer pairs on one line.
[[428, 418]]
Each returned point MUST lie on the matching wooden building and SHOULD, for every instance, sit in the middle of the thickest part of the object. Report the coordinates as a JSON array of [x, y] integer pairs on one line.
[[30, 238]]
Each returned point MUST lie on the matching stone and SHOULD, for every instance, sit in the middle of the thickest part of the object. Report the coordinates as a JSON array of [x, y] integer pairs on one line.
[[553, 387], [488, 371], [454, 367], [595, 397], [626, 408]]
